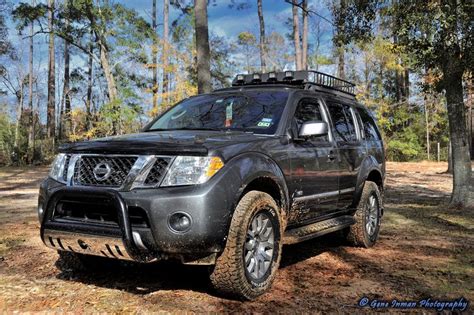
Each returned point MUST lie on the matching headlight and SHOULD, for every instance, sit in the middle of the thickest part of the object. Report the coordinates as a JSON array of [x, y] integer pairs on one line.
[[57, 169], [192, 170]]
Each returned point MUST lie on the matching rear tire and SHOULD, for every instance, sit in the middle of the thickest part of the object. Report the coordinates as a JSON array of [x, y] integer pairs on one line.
[[365, 231], [247, 267]]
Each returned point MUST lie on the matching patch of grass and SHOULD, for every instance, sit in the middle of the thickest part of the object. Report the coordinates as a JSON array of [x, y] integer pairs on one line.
[[9, 243], [455, 219]]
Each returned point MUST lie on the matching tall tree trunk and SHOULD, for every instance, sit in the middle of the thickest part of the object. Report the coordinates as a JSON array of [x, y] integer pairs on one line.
[[296, 35], [109, 77], [263, 53], [89, 83], [340, 29], [51, 116], [406, 84], [202, 47], [470, 103], [31, 129], [304, 56], [452, 78], [111, 87], [66, 97], [19, 115], [427, 129], [154, 52], [166, 50]]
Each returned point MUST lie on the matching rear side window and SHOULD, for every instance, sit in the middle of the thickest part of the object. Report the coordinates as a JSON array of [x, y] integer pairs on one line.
[[370, 128], [343, 122]]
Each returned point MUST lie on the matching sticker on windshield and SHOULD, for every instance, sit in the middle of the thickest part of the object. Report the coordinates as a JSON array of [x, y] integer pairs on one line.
[[263, 124], [228, 115]]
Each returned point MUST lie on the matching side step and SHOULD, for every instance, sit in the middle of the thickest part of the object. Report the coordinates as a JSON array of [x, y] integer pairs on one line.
[[307, 232]]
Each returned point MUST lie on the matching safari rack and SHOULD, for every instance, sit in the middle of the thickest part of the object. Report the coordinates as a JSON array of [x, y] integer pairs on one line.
[[304, 78]]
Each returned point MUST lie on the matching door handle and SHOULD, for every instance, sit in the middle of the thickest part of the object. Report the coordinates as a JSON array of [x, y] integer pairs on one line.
[[331, 156]]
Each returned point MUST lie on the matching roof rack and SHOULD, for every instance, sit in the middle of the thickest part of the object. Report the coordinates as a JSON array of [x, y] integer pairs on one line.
[[303, 78]]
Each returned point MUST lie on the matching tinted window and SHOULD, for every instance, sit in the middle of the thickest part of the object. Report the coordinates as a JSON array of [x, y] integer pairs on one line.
[[309, 110], [259, 112], [343, 122], [370, 128]]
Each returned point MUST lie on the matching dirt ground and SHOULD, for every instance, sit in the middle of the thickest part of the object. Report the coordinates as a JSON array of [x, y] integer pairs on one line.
[[424, 250]]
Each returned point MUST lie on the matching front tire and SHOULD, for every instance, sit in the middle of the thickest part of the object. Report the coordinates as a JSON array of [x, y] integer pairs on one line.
[[247, 267], [365, 231]]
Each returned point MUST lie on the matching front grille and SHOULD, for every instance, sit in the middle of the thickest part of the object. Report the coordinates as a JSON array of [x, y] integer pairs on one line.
[[97, 211], [115, 170], [157, 172]]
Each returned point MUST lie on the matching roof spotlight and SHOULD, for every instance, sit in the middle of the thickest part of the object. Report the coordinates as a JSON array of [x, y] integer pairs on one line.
[[272, 76], [240, 77], [289, 75], [256, 77]]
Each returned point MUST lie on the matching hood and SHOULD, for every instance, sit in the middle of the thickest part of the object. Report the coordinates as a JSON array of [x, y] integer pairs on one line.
[[189, 142]]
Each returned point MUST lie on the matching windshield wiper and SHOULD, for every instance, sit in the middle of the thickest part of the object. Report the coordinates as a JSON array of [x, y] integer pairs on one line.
[[185, 128]]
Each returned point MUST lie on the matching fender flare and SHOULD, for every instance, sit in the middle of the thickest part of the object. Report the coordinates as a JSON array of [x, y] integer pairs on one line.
[[250, 166], [368, 165]]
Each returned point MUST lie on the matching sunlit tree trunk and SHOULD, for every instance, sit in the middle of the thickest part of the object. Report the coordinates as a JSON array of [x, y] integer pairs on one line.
[[263, 54], [89, 83], [51, 116], [340, 20], [462, 182], [202, 47], [66, 127], [166, 49], [427, 125], [154, 52], [296, 35], [304, 38], [19, 115], [31, 129]]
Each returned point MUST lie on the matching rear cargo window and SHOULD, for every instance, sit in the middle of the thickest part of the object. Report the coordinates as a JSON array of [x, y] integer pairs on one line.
[[370, 128]]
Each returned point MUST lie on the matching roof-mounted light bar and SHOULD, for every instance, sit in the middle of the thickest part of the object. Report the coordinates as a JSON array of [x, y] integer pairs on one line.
[[303, 78]]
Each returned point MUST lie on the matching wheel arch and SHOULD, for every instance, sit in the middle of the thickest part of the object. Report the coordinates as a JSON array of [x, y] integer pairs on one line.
[[259, 172], [370, 170]]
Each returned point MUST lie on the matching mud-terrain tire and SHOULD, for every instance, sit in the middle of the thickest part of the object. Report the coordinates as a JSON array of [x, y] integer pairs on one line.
[[69, 261], [365, 231], [257, 212]]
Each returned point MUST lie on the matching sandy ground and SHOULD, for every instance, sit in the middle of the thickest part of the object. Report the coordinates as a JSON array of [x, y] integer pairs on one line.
[[425, 249]]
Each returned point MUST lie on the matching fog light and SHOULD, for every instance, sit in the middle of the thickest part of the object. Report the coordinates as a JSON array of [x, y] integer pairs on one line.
[[180, 222]]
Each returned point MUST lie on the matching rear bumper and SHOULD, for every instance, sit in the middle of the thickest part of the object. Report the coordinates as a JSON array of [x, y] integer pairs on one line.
[[210, 207]]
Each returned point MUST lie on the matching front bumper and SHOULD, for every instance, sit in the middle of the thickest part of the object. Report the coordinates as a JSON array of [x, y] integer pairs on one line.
[[210, 207]]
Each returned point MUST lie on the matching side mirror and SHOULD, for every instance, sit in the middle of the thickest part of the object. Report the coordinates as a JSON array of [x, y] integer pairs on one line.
[[313, 128]]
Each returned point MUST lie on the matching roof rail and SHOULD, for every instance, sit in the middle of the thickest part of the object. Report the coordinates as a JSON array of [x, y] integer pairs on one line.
[[302, 78]]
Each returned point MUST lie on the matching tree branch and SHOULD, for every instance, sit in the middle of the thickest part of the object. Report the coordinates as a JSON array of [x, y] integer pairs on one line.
[[85, 50], [309, 11]]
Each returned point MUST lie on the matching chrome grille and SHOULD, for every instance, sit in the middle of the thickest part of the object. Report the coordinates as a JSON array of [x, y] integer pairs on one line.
[[157, 172], [120, 167]]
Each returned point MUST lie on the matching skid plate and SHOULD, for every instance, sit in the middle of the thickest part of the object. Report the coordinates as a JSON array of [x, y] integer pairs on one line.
[[103, 246]]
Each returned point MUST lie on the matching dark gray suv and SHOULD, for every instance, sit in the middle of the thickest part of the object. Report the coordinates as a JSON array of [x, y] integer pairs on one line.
[[223, 179]]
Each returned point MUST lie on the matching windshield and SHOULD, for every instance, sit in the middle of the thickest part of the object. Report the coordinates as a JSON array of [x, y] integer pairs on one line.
[[257, 112]]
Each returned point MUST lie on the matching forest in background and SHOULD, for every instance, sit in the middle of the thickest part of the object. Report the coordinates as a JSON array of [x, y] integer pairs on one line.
[[109, 69]]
